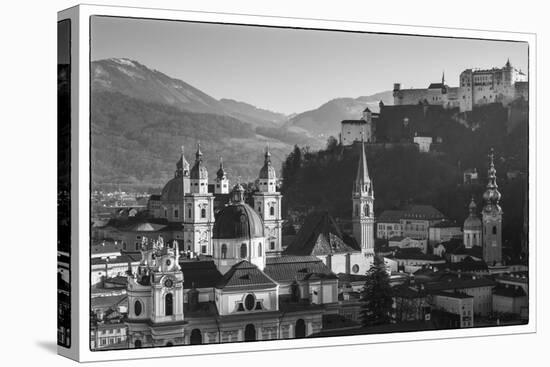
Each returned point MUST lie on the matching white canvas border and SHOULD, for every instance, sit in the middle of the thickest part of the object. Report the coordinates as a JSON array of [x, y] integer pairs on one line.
[[80, 34]]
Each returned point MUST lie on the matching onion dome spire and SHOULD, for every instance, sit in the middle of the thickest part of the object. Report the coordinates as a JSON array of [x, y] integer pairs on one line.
[[491, 195], [362, 180], [267, 171], [198, 154], [199, 172], [182, 166], [221, 171], [472, 207]]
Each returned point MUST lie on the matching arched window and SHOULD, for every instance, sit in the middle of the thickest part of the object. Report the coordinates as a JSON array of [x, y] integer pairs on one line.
[[189, 213], [203, 213], [137, 308], [224, 251], [196, 337], [249, 333], [494, 229], [169, 344], [243, 250], [272, 211], [367, 210], [168, 305], [137, 344], [259, 249], [300, 328]]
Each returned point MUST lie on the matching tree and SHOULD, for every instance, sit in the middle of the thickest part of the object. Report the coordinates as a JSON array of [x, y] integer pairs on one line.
[[376, 295]]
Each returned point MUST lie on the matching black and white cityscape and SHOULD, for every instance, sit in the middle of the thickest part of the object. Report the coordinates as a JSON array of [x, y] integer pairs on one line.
[[260, 183]]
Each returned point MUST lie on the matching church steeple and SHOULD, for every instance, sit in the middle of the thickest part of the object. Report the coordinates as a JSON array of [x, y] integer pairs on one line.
[[491, 195], [492, 217], [363, 205], [362, 179], [222, 183]]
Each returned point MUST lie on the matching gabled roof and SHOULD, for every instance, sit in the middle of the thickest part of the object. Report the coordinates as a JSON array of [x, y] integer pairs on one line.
[[290, 268], [106, 246], [425, 212], [390, 216], [122, 259], [451, 283], [467, 265], [107, 301], [245, 276], [404, 291], [199, 273], [319, 235], [509, 291]]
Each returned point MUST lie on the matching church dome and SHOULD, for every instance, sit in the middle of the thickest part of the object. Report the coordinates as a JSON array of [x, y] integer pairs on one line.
[[173, 190], [238, 220], [472, 223], [267, 172]]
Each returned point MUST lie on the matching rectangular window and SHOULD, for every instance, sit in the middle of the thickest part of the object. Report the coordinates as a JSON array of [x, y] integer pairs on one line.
[[203, 249]]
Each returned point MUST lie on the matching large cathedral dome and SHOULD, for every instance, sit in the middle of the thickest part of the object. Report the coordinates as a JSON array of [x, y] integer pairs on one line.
[[173, 190], [238, 220]]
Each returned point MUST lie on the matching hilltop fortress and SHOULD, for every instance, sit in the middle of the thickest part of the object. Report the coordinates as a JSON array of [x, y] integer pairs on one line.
[[476, 87]]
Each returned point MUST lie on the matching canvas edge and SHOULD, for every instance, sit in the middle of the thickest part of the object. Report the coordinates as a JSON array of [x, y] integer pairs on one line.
[[80, 104]]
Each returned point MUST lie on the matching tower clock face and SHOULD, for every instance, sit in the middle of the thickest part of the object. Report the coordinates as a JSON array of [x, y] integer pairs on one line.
[[168, 283]]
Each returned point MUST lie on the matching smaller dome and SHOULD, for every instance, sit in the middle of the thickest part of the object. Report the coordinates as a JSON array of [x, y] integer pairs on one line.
[[267, 172], [472, 223]]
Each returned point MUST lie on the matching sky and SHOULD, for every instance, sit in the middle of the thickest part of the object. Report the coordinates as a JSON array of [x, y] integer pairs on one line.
[[293, 70]]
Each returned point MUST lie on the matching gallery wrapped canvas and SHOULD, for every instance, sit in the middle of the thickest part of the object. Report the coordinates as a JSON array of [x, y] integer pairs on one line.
[[235, 183]]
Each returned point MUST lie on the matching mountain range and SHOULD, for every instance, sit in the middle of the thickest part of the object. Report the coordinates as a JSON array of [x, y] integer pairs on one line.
[[141, 117]]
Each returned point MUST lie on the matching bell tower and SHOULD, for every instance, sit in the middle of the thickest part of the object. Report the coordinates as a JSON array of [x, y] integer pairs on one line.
[[155, 297], [198, 210], [222, 183], [267, 203], [492, 218], [363, 206]]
